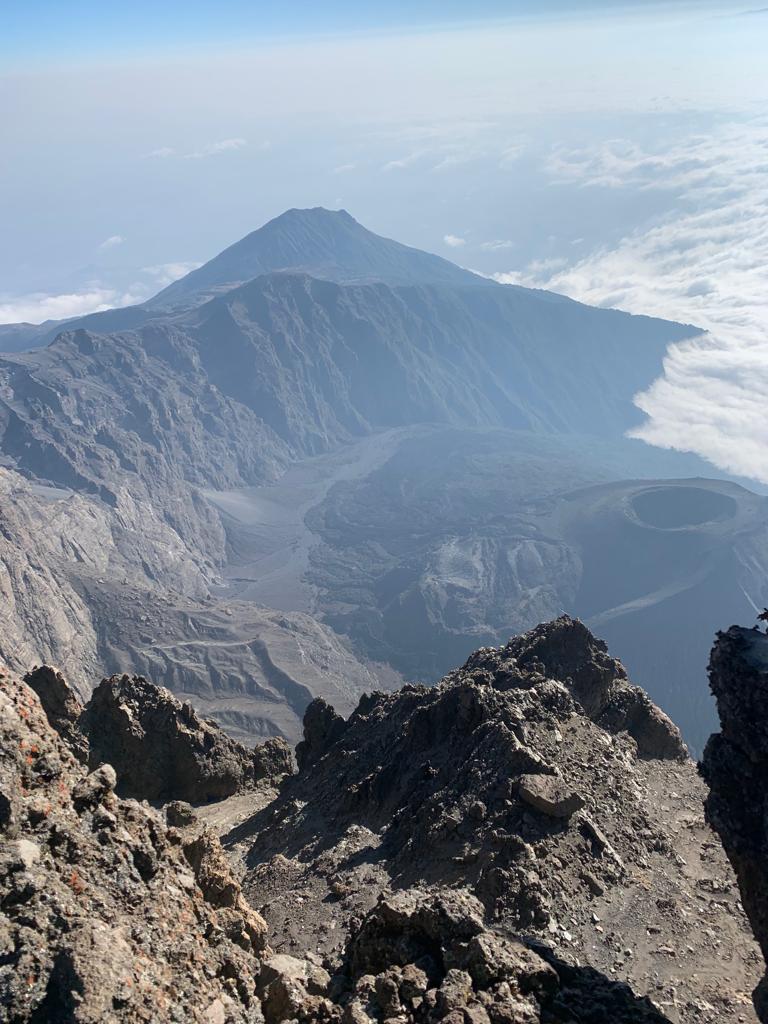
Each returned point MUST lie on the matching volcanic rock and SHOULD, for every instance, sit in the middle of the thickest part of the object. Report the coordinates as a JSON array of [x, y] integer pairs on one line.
[[322, 727], [550, 796], [402, 875], [162, 750], [735, 766], [565, 649], [61, 707], [408, 823], [104, 918], [425, 956]]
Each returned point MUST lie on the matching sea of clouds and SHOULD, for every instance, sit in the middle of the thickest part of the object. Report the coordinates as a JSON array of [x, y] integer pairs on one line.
[[704, 263]]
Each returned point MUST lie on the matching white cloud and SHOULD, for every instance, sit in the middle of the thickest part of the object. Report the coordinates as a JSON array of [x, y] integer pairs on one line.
[[454, 241], [404, 161], [215, 148], [457, 157], [211, 149], [93, 296], [497, 243], [112, 242], [38, 307], [705, 264], [344, 168], [511, 153], [164, 274]]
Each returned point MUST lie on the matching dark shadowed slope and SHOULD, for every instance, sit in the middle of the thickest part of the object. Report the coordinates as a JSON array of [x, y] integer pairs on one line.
[[735, 766]]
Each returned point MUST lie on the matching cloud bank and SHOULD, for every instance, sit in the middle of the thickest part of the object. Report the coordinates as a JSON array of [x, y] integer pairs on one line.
[[704, 264], [37, 307]]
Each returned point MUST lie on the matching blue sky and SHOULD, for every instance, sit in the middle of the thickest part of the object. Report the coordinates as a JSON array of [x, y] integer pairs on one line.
[[64, 31]]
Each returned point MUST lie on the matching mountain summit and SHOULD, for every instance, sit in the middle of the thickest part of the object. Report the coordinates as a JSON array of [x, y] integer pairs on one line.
[[326, 244], [323, 243]]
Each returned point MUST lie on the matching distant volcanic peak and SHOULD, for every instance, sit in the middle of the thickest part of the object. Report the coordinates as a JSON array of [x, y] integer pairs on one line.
[[311, 214], [325, 243]]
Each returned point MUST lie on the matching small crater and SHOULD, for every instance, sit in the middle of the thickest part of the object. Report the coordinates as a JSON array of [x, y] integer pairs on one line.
[[671, 508]]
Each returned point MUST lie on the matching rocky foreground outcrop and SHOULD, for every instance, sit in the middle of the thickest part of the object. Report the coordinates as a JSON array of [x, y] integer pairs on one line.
[[566, 650], [426, 956], [61, 706], [480, 852], [735, 766], [163, 750], [160, 748], [108, 914], [536, 787]]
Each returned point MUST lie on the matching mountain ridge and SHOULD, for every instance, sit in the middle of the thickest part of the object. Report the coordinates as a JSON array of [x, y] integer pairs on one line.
[[326, 244], [282, 244]]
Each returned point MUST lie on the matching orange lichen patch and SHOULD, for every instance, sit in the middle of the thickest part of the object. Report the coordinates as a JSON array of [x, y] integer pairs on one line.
[[75, 882]]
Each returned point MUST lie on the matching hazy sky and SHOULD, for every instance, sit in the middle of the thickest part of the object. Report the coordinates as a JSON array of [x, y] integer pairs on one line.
[[615, 152]]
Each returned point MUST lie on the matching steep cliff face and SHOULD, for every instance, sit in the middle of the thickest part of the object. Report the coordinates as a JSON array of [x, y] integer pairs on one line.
[[735, 766]]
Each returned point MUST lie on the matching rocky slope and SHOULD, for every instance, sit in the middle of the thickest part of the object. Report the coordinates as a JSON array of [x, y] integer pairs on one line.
[[496, 849], [109, 914], [735, 766], [511, 792], [160, 748], [89, 587]]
